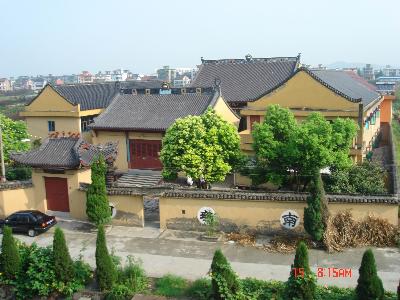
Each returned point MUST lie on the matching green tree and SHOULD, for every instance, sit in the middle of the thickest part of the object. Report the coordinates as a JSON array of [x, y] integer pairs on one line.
[[63, 264], [10, 260], [14, 132], [203, 147], [316, 212], [283, 146], [369, 285], [302, 282], [97, 206], [225, 283], [106, 272]]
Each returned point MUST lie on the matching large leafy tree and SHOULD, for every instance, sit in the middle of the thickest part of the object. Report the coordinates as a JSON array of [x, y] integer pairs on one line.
[[97, 206], [203, 147], [283, 146], [14, 132]]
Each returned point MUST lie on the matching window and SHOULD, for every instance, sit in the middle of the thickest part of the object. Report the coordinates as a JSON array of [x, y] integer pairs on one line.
[[147, 91], [51, 125], [254, 119], [86, 121]]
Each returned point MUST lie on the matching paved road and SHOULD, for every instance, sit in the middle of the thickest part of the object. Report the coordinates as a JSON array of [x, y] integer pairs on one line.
[[182, 254]]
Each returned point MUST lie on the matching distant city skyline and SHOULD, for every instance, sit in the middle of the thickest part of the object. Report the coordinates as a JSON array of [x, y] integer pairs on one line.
[[67, 37]]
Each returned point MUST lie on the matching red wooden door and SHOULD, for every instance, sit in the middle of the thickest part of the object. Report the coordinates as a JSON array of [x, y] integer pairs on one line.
[[254, 119], [144, 154], [57, 193]]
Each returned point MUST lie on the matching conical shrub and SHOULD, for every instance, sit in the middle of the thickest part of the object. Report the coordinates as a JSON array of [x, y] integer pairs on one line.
[[106, 272], [97, 206], [316, 212], [369, 285], [63, 265], [225, 282], [10, 260], [302, 282]]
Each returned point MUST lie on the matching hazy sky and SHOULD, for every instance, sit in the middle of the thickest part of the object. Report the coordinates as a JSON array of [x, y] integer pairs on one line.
[[67, 36]]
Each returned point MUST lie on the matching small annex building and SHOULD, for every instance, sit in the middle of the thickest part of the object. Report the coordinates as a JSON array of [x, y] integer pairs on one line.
[[59, 165], [332, 93], [72, 107], [138, 122]]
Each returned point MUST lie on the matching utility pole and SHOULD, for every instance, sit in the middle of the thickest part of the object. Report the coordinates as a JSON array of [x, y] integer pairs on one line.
[[3, 168]]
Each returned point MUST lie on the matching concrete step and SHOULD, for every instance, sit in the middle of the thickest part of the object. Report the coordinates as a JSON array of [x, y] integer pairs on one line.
[[138, 180]]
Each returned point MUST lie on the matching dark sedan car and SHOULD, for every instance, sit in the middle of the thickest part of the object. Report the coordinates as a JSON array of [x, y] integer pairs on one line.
[[31, 222]]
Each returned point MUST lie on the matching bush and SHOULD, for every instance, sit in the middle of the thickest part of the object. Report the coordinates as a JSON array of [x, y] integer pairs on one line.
[[262, 290], [302, 282], [105, 268], [38, 278], [200, 289], [367, 179], [97, 206], [171, 286], [10, 259], [369, 285], [63, 265], [18, 172], [315, 214], [225, 283]]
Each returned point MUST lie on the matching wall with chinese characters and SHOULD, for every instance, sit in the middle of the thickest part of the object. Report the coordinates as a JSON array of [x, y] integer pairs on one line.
[[260, 215]]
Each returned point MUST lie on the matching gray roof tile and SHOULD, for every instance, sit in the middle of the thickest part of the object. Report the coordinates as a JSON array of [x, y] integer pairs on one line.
[[244, 80], [65, 153], [352, 87], [154, 112]]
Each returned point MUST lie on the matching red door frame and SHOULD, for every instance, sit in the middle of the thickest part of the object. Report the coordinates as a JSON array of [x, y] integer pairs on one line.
[[143, 154], [57, 193]]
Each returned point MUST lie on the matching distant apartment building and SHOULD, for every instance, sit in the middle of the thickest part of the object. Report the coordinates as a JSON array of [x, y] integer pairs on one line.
[[181, 81], [368, 72], [391, 72], [85, 77], [387, 85], [38, 84], [166, 74], [120, 75], [5, 85]]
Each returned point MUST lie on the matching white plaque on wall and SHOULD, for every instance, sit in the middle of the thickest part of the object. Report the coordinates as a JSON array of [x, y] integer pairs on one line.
[[201, 214], [290, 219]]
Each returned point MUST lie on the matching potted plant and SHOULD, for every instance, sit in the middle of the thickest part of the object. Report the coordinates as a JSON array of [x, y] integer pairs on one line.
[[211, 221]]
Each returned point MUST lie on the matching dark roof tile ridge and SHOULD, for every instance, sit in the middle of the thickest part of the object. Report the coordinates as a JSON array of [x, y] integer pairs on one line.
[[252, 60]]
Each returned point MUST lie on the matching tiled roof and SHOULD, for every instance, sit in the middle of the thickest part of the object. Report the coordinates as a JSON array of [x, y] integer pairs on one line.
[[244, 80], [90, 95], [65, 153], [99, 95], [347, 85], [155, 112]]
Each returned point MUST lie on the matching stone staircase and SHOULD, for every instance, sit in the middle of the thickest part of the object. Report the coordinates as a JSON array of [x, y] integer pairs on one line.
[[139, 178]]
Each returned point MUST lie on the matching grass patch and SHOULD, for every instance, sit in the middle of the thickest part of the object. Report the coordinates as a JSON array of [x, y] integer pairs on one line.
[[171, 286]]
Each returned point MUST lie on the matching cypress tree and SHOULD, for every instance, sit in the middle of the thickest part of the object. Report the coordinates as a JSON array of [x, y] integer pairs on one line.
[[302, 282], [369, 285], [97, 206], [225, 283], [63, 265], [316, 212], [10, 260], [106, 272]]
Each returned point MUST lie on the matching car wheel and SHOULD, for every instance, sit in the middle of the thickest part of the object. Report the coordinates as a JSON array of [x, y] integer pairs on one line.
[[31, 232]]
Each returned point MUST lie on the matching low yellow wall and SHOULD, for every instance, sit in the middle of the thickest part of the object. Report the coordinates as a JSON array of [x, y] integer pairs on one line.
[[263, 216], [129, 208], [18, 199]]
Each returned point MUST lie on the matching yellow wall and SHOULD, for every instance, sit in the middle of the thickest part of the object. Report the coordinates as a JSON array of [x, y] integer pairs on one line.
[[259, 214], [225, 112], [130, 210], [49, 100], [103, 137], [38, 127], [18, 199]]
